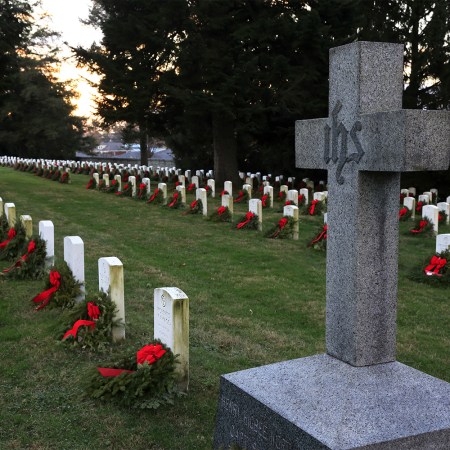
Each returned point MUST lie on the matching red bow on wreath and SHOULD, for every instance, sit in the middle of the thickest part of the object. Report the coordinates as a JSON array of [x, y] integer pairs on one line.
[[221, 210], [239, 197], [422, 225], [44, 297], [191, 187], [153, 196], [435, 266], [419, 206], [320, 236], [11, 236], [402, 212], [224, 193], [149, 354], [23, 258], [174, 200], [193, 204], [300, 199], [264, 199], [248, 217], [313, 207], [93, 312], [281, 224]]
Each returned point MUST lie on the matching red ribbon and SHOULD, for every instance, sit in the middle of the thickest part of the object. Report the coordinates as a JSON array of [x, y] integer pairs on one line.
[[422, 225], [23, 258], [320, 236], [191, 186], [174, 201], [419, 206], [153, 196], [440, 217], [221, 210], [79, 323], [287, 203], [224, 193], [11, 236], [301, 199], [239, 197], [93, 310], [44, 297], [281, 224], [435, 266], [264, 199], [313, 207], [149, 353], [402, 212], [248, 217], [141, 189], [90, 183], [193, 204]]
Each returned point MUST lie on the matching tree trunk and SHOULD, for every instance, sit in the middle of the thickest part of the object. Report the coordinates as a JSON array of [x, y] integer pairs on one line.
[[225, 151], [143, 144], [411, 95]]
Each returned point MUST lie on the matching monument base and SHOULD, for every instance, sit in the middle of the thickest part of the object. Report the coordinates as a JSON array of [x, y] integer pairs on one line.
[[320, 402]]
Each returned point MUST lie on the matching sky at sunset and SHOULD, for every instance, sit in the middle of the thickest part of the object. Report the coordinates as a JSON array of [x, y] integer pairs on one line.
[[65, 18]]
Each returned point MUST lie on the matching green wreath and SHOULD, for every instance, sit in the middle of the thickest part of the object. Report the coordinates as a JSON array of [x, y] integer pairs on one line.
[[12, 249], [140, 386], [248, 222], [94, 338], [440, 279], [319, 241], [221, 214], [284, 229], [404, 214], [422, 228]]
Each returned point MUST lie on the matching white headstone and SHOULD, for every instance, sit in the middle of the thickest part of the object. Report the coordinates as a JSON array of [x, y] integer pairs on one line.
[[268, 190], [255, 206], [163, 188], [10, 211], [325, 218], [292, 211], [305, 194], [1, 207], [212, 185], [430, 196], [412, 191], [227, 201], [27, 223], [319, 196], [292, 196], [182, 192], [147, 183], [110, 280], [202, 195], [171, 326], [187, 174], [442, 243], [431, 213], [404, 192], [182, 179], [47, 234], [118, 178], [424, 199], [132, 181], [284, 188], [248, 189], [74, 257], [106, 179], [444, 207], [96, 177], [195, 181], [228, 186], [410, 203]]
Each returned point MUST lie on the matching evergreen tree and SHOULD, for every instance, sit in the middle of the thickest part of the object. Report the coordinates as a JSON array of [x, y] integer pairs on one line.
[[35, 110]]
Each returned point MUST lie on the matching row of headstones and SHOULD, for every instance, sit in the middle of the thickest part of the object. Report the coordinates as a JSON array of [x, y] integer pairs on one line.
[[429, 211], [249, 178], [171, 305]]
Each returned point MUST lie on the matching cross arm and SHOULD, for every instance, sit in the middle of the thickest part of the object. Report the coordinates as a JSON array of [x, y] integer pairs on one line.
[[405, 141], [310, 136]]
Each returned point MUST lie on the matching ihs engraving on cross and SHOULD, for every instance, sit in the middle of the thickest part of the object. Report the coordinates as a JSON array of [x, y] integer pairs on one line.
[[338, 130]]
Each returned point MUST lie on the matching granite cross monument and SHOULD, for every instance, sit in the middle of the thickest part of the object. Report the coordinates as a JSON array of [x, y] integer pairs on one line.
[[356, 395]]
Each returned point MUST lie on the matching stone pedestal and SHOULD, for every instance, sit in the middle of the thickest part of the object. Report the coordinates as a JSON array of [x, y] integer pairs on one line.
[[320, 402]]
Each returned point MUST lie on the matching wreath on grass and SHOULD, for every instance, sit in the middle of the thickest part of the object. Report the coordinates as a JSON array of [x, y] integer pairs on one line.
[[284, 229], [404, 214], [422, 227], [65, 178], [127, 190], [208, 190], [265, 200], [195, 207], [442, 217], [224, 192], [4, 227], [39, 172], [315, 208], [156, 197], [92, 183], [113, 187], [56, 175], [319, 242], [89, 324], [31, 265], [61, 289], [191, 187], [419, 206], [15, 239], [144, 379], [175, 201], [434, 271], [301, 200], [242, 197], [248, 222], [222, 214], [282, 196], [142, 192]]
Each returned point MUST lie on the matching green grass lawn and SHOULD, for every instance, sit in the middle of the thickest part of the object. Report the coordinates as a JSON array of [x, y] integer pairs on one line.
[[253, 301]]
